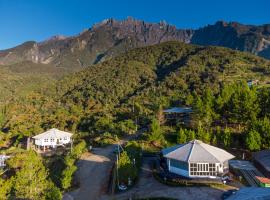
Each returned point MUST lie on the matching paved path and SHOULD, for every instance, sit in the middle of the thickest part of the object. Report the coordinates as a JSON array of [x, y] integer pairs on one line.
[[148, 186]]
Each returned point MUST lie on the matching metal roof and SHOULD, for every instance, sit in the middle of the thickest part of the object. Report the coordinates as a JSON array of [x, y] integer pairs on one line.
[[178, 110], [196, 151], [53, 133], [263, 157], [251, 193]]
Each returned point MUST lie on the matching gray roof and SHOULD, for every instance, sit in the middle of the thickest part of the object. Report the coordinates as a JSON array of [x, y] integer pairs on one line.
[[53, 133], [197, 151], [263, 157], [178, 110], [251, 193]]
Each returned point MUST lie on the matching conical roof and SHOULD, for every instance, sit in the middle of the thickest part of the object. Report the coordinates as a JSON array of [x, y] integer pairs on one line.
[[196, 151]]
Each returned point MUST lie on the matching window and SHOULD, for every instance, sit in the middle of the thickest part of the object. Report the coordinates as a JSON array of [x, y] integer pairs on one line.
[[202, 169], [52, 139], [46, 140], [178, 164]]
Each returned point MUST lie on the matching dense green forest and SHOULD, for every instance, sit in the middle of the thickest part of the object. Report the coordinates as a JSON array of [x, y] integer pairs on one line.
[[108, 98]]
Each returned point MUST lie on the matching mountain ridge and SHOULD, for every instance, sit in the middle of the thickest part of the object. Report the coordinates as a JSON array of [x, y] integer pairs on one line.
[[112, 37]]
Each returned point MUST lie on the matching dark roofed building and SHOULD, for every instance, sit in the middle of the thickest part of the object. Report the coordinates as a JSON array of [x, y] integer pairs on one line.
[[178, 114], [262, 161]]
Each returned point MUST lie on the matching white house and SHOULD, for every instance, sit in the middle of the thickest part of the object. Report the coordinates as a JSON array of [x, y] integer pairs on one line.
[[197, 159], [3, 159], [52, 138]]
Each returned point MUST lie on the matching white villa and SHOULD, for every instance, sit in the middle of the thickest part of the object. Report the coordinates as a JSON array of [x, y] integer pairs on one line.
[[52, 138], [196, 159], [3, 159]]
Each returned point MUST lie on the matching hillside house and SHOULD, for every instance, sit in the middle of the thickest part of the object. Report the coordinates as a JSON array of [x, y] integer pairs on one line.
[[252, 82], [196, 159], [178, 114], [3, 159], [52, 138]]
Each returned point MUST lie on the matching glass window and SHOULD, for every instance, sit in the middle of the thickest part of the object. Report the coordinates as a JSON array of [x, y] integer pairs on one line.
[[179, 164]]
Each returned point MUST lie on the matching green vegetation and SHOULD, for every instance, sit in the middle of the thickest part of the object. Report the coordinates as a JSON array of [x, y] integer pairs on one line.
[[132, 87], [30, 180], [129, 163], [118, 96], [70, 167]]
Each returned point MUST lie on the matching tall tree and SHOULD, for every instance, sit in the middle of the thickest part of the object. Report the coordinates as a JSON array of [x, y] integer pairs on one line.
[[253, 140], [31, 180], [181, 136]]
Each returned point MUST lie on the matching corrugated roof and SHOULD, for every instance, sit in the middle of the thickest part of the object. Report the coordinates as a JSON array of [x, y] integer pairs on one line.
[[53, 133], [197, 151], [263, 157], [178, 110], [251, 193]]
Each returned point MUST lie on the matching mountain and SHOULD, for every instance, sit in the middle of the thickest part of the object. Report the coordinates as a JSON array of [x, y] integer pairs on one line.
[[112, 37], [105, 39], [136, 82], [254, 39]]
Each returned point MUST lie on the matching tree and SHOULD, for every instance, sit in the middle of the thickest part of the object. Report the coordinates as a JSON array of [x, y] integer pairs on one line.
[[181, 136], [156, 133], [191, 135], [243, 105], [253, 140], [126, 168], [53, 192], [226, 137], [31, 180], [5, 188], [127, 126], [262, 126], [67, 173]]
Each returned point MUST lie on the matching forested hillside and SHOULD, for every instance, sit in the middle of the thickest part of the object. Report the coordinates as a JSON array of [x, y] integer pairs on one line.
[[108, 98], [19, 79]]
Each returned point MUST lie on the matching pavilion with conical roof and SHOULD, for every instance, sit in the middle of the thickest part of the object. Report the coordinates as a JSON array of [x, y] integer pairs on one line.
[[196, 159]]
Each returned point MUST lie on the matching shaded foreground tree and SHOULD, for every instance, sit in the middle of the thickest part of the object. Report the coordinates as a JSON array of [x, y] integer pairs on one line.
[[30, 181]]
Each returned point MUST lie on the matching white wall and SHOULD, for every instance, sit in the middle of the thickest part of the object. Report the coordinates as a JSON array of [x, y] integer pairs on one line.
[[53, 142]]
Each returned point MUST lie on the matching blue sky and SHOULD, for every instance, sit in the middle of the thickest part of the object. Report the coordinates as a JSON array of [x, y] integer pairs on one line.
[[23, 20]]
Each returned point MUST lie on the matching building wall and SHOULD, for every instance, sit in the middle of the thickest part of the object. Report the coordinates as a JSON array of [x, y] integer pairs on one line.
[[52, 141], [183, 171]]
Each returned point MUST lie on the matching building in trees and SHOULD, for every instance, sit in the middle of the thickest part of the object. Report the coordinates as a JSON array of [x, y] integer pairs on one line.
[[52, 138], [262, 161], [3, 159], [178, 114], [196, 159]]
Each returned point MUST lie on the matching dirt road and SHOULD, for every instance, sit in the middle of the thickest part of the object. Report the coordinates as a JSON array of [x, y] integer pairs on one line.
[[94, 172]]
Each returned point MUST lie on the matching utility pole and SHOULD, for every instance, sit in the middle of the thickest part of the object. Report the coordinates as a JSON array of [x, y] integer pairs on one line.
[[117, 171]]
